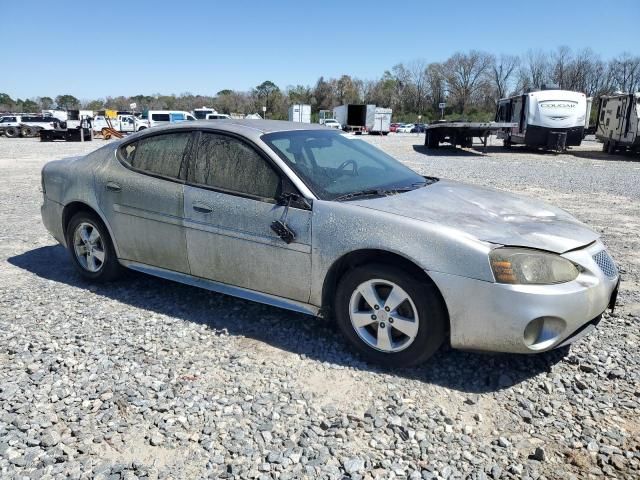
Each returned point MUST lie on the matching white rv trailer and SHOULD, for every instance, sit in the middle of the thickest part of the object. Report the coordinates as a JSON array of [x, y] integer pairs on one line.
[[618, 123], [552, 119]]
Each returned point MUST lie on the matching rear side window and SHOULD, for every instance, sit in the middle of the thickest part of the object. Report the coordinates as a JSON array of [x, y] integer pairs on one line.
[[160, 117], [161, 154], [8, 119], [230, 164]]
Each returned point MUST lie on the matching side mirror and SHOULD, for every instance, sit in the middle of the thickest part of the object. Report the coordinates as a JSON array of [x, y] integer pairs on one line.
[[295, 199]]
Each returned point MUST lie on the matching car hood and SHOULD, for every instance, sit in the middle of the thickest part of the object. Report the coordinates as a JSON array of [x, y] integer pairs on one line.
[[488, 215]]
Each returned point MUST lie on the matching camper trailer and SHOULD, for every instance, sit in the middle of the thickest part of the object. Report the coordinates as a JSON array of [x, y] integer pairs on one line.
[[618, 122], [549, 119]]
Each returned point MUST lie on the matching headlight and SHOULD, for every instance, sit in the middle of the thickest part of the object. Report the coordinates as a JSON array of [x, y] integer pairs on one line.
[[530, 267]]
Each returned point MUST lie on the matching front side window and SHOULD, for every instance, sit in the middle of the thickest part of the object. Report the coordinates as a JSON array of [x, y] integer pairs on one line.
[[230, 164], [160, 154], [333, 165]]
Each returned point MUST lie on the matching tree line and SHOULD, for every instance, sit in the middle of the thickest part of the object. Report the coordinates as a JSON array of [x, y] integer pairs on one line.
[[470, 83]]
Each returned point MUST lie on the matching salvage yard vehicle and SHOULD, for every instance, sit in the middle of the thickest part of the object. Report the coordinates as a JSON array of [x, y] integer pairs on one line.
[[312, 220], [122, 123], [331, 123], [157, 118], [13, 126], [405, 128], [618, 122]]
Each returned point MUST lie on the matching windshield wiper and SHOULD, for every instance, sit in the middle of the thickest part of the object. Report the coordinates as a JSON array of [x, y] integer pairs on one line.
[[380, 192], [360, 193]]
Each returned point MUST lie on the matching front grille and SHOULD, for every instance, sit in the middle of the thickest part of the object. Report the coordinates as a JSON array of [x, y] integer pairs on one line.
[[605, 262]]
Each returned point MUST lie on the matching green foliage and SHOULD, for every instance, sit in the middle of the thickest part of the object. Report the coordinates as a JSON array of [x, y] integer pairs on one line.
[[66, 102], [29, 106]]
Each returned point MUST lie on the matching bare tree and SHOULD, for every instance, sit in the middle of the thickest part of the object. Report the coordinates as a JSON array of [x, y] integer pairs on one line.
[[625, 71], [437, 85], [502, 71], [534, 71], [418, 77], [561, 64], [466, 73]]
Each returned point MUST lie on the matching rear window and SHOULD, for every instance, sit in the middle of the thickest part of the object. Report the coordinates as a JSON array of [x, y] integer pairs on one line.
[[160, 117]]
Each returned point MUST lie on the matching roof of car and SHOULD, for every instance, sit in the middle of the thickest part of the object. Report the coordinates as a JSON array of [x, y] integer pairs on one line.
[[246, 127]]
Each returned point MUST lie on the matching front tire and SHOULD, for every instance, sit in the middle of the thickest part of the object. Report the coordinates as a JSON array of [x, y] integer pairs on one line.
[[91, 249], [389, 316]]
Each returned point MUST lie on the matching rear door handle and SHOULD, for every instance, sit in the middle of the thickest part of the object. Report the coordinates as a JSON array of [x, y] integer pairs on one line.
[[114, 187], [202, 207]]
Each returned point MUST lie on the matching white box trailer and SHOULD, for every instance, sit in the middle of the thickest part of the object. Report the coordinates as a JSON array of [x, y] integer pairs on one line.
[[300, 113], [618, 122], [378, 120], [354, 117]]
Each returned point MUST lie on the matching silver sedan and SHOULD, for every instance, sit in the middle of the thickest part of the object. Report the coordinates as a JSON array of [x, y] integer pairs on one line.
[[309, 219]]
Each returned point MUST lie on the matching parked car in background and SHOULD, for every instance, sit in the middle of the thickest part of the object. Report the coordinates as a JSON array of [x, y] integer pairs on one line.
[[419, 128], [217, 116], [394, 126], [405, 128], [332, 123], [122, 123], [302, 217], [163, 117]]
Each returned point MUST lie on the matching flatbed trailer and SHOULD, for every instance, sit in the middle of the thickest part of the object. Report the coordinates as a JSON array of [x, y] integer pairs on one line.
[[462, 133]]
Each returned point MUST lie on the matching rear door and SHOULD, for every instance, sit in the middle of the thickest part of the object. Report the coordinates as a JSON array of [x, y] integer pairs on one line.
[[230, 204], [141, 195]]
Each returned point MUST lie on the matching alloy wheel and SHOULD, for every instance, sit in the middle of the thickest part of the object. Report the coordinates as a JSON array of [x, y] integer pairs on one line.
[[383, 315], [88, 247]]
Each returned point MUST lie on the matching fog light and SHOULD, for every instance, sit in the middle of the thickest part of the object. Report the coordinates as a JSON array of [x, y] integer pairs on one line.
[[533, 330], [543, 332]]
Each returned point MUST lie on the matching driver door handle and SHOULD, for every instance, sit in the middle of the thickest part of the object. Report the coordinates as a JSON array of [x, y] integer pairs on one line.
[[202, 207], [114, 187]]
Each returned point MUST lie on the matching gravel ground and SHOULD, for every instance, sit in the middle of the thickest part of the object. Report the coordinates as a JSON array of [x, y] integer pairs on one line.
[[149, 379]]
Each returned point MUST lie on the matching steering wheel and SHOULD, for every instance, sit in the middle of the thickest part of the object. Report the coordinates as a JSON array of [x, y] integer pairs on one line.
[[346, 163]]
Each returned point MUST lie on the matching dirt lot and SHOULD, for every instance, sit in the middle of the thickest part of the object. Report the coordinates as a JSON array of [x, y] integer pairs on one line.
[[149, 379]]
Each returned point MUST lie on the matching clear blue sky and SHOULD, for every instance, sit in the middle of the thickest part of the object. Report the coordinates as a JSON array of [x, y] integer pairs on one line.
[[96, 49]]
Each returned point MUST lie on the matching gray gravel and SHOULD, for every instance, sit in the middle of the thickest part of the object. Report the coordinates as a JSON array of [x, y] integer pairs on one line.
[[144, 378]]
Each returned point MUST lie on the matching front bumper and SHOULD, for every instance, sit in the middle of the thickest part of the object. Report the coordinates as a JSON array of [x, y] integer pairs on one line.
[[494, 317]]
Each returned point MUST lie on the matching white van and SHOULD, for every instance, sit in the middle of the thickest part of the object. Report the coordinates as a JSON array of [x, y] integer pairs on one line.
[[162, 117], [217, 116]]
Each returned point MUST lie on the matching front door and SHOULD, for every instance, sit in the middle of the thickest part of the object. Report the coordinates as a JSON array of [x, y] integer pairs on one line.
[[141, 195], [230, 204]]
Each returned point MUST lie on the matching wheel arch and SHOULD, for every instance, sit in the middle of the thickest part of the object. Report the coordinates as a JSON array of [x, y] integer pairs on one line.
[[356, 258], [71, 208]]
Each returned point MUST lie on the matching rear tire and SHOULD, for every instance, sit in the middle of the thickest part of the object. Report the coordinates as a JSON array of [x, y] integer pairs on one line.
[[91, 249], [12, 132], [29, 132], [407, 333]]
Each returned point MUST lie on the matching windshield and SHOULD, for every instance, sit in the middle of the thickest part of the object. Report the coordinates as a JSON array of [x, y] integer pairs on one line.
[[334, 165]]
